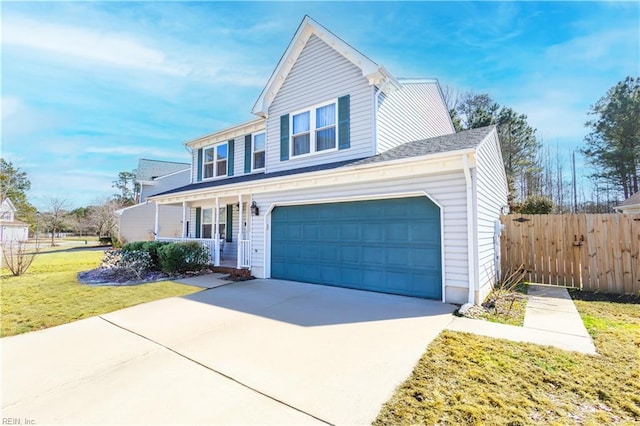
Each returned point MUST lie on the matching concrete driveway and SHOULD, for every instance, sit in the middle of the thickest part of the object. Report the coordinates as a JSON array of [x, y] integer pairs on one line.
[[255, 352]]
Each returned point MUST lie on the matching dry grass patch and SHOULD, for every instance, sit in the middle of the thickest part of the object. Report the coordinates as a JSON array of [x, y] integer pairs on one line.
[[49, 293], [467, 379]]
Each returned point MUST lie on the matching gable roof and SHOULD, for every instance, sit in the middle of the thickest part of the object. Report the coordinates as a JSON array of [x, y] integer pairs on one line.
[[631, 201], [376, 74], [7, 203], [151, 169], [465, 140]]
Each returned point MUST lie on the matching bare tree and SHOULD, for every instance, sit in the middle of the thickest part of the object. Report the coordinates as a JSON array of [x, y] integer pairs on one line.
[[102, 216], [55, 215], [18, 256]]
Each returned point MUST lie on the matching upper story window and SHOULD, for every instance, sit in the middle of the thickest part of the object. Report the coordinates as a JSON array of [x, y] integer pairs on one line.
[[258, 151], [214, 163], [314, 130]]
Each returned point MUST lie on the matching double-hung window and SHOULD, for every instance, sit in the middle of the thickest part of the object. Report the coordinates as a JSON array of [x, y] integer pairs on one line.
[[258, 152], [214, 163], [207, 223], [314, 130]]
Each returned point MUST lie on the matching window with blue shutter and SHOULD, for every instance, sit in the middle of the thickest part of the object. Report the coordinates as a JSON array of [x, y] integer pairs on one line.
[[284, 137], [198, 220], [199, 164], [229, 230], [247, 154], [344, 119], [231, 144]]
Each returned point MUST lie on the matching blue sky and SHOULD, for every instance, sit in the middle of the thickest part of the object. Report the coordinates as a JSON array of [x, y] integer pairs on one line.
[[88, 88]]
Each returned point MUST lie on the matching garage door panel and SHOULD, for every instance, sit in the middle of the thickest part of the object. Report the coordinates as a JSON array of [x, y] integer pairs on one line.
[[390, 246]]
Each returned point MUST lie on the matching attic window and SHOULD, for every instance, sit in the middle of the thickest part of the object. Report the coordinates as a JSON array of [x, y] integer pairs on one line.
[[314, 130]]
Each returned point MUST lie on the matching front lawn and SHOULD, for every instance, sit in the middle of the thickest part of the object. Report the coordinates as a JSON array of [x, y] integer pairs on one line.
[[49, 293], [468, 379]]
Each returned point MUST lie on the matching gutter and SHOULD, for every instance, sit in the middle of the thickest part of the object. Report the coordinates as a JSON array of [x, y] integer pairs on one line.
[[470, 249], [378, 166]]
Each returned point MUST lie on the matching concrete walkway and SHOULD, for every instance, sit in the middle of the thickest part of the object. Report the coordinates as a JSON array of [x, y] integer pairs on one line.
[[551, 319]]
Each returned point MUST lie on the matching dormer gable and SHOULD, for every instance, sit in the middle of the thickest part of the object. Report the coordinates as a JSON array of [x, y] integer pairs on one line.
[[7, 210], [374, 73]]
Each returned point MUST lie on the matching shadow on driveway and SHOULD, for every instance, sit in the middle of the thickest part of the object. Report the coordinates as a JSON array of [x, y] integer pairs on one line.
[[311, 305]]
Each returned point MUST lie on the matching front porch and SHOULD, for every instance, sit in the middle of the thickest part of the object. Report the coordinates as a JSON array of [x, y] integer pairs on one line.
[[220, 224], [228, 258]]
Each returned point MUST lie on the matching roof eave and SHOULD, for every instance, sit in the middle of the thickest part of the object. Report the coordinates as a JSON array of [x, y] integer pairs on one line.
[[374, 73]]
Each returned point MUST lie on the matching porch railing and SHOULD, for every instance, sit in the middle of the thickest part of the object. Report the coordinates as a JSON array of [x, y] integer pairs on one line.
[[244, 254]]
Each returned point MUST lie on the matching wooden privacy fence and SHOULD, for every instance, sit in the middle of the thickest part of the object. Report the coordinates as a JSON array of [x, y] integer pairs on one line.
[[593, 252]]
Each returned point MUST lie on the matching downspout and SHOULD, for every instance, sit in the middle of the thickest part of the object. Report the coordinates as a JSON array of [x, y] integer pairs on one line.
[[470, 246]]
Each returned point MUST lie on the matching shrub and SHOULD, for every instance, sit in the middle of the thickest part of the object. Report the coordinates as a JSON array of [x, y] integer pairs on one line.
[[182, 257], [128, 264], [537, 204], [133, 246], [150, 247]]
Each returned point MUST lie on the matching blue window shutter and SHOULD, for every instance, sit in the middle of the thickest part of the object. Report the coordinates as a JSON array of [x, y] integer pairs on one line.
[[230, 148], [344, 131], [284, 137], [229, 230], [198, 220], [199, 165], [247, 154]]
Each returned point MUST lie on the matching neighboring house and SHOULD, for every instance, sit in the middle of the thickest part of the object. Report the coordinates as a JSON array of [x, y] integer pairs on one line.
[[11, 229], [349, 177], [630, 205], [137, 223]]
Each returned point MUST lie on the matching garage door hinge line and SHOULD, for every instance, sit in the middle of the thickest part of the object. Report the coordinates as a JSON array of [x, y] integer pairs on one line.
[[218, 372]]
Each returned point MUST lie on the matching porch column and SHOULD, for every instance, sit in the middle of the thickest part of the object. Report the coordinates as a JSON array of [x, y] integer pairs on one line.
[[184, 220], [216, 234], [156, 227], [240, 235]]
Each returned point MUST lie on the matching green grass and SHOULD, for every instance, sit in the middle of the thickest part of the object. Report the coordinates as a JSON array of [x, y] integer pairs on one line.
[[49, 293], [467, 379]]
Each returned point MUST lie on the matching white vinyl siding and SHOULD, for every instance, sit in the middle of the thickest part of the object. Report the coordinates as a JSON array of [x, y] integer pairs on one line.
[[491, 194], [137, 222], [320, 74], [447, 190], [165, 183], [415, 112]]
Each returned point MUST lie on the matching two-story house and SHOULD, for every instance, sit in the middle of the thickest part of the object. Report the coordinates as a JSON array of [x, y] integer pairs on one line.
[[351, 177]]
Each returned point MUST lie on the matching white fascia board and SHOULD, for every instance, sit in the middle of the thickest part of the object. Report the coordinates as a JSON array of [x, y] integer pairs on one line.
[[188, 169], [9, 204], [307, 28], [232, 132], [413, 166]]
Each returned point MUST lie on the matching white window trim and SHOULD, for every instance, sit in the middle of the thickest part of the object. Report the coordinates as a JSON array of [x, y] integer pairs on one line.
[[312, 129], [253, 151], [215, 161]]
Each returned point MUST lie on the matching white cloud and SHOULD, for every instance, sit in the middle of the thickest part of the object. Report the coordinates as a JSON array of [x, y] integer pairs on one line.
[[88, 44], [595, 50]]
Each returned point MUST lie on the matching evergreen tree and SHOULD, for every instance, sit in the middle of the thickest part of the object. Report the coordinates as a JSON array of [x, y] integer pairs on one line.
[[613, 146]]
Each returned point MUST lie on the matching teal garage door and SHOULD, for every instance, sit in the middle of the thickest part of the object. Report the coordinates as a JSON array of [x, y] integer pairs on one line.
[[389, 246]]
